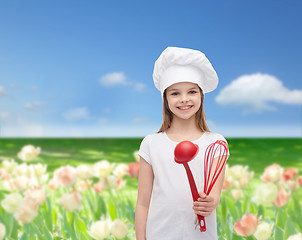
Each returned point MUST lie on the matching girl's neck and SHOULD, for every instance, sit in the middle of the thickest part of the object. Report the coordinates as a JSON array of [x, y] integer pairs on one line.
[[184, 128]]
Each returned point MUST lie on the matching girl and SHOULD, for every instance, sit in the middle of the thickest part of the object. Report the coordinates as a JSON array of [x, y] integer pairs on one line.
[[164, 209]]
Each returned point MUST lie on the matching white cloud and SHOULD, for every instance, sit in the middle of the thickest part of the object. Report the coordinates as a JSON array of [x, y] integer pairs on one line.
[[139, 120], [26, 128], [4, 116], [33, 105], [139, 87], [113, 79], [13, 85], [256, 92], [119, 78], [34, 88], [76, 114], [107, 110], [103, 120], [2, 91], [22, 127], [240, 130], [210, 124]]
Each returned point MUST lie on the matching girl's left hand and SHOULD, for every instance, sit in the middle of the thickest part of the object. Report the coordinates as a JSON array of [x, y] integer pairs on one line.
[[204, 205]]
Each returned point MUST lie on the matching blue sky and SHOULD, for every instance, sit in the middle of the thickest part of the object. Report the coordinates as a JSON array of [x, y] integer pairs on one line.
[[84, 68]]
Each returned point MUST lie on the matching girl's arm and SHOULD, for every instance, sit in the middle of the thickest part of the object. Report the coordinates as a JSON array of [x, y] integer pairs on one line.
[[206, 204], [145, 185]]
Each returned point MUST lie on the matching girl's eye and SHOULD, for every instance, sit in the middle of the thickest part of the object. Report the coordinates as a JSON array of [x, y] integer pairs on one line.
[[174, 94], [192, 92]]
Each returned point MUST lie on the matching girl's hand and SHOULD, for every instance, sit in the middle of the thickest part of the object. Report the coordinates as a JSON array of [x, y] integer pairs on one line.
[[204, 205]]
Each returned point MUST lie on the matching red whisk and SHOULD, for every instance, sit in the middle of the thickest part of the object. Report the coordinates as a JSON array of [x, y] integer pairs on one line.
[[221, 148]]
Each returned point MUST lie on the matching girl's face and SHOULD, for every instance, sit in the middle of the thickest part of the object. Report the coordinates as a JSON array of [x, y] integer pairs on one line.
[[184, 99]]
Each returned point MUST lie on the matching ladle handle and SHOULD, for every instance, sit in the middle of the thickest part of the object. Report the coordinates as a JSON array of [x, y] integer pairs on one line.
[[195, 196], [202, 223]]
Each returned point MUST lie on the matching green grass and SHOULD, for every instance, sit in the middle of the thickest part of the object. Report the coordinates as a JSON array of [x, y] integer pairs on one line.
[[255, 152]]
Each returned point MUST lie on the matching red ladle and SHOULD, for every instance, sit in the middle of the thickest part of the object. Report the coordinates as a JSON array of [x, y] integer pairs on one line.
[[184, 152]]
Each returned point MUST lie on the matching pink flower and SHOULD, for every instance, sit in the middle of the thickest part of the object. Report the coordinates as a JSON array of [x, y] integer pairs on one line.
[[134, 169], [247, 225], [53, 184], [4, 175], [226, 184], [98, 187], [27, 211], [282, 198], [83, 185], [37, 195], [71, 201], [272, 173], [289, 174], [300, 181], [66, 176]]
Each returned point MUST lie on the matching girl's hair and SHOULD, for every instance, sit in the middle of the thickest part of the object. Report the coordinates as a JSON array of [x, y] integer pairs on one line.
[[200, 117]]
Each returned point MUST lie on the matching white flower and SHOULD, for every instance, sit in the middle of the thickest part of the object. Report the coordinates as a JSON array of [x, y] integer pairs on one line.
[[102, 168], [272, 173], [66, 176], [121, 170], [100, 230], [295, 237], [39, 169], [136, 156], [9, 166], [21, 183], [238, 171], [83, 185], [11, 202], [266, 194], [227, 171], [84, 172], [119, 229], [9, 185], [2, 231], [22, 170], [27, 211], [71, 201], [236, 194], [264, 231], [113, 182], [29, 153]]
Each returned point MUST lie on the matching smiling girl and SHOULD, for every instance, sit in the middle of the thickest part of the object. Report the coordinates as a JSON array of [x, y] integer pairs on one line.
[[164, 209]]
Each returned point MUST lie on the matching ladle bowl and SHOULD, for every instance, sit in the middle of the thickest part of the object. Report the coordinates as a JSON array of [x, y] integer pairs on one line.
[[185, 151]]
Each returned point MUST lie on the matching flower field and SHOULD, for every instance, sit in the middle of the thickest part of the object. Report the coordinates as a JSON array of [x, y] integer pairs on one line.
[[86, 189]]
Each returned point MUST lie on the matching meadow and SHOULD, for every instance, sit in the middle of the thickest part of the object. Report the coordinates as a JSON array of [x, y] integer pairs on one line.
[[117, 202]]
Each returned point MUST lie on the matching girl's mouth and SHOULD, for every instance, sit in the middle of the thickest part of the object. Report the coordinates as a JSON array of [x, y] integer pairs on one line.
[[185, 107]]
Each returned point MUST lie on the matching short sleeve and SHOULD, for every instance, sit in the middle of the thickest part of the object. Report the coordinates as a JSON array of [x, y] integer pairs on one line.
[[144, 150], [223, 150]]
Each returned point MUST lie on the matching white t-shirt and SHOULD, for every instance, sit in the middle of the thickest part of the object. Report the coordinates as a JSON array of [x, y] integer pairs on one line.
[[170, 215]]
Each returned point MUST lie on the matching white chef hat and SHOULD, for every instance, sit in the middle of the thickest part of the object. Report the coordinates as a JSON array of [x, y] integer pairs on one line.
[[176, 65]]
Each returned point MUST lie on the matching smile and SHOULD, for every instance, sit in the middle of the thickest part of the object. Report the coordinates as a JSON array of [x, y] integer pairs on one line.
[[185, 107]]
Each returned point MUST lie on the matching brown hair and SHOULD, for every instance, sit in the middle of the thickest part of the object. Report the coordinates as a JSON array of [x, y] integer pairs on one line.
[[200, 117]]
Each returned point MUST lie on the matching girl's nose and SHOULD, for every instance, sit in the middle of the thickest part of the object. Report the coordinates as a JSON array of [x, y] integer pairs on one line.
[[184, 98]]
